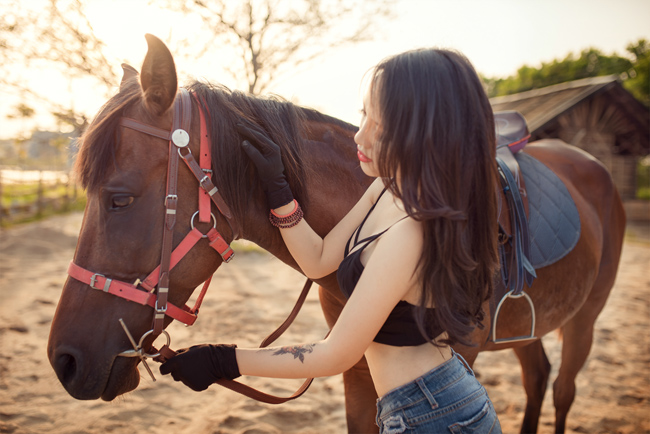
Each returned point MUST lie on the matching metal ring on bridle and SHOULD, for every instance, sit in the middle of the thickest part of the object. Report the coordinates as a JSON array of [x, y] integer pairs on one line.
[[214, 222], [151, 356], [139, 351], [189, 151]]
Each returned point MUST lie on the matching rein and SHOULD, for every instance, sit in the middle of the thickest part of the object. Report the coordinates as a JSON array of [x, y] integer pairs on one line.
[[144, 292]]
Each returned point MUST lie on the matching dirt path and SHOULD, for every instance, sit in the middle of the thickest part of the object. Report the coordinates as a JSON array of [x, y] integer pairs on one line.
[[252, 295]]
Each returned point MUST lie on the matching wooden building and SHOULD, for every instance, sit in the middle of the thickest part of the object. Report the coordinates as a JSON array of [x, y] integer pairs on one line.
[[595, 114]]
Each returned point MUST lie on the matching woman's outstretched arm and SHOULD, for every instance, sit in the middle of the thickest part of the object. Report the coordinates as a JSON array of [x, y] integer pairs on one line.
[[388, 276]]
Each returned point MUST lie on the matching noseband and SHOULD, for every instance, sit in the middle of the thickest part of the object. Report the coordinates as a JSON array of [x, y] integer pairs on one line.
[[144, 292]]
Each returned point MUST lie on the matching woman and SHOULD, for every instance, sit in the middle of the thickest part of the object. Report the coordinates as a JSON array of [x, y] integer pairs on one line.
[[416, 255]]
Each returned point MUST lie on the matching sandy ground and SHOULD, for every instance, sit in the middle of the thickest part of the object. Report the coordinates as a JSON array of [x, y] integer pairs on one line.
[[248, 299]]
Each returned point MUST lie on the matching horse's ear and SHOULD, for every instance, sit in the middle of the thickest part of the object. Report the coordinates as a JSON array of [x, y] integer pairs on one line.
[[129, 74], [158, 77]]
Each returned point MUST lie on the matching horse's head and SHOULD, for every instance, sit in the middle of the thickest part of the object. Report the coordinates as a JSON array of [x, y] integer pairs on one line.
[[123, 164], [119, 270]]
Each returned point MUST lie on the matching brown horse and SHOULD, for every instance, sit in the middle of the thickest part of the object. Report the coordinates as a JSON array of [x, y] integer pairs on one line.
[[124, 171]]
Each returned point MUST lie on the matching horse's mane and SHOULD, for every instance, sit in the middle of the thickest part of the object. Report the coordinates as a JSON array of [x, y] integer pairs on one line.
[[314, 115], [96, 155], [234, 175], [281, 120]]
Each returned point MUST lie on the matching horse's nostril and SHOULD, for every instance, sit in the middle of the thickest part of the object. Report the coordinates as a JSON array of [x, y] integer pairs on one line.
[[70, 366], [66, 368]]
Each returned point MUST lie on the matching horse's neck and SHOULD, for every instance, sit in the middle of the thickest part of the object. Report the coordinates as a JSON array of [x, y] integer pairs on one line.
[[331, 190], [337, 182]]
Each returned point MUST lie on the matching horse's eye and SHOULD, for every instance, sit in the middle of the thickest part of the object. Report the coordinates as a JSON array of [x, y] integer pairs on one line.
[[121, 201]]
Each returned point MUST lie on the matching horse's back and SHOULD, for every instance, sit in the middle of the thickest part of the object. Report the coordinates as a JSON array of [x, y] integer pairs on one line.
[[587, 179], [587, 272]]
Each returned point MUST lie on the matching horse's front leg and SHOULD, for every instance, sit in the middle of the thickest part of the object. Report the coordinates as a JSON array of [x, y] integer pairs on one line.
[[360, 394]]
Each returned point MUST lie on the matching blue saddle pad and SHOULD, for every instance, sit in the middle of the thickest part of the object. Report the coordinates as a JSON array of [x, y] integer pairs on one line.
[[553, 222]]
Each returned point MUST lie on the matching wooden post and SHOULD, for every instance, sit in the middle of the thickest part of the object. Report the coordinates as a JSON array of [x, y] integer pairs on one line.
[[1, 209], [66, 194], [39, 195]]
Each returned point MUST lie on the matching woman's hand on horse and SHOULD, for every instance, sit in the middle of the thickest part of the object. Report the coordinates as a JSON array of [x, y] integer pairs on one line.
[[267, 158], [201, 365]]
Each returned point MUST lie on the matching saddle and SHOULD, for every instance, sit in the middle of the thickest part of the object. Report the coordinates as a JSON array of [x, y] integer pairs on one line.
[[528, 240]]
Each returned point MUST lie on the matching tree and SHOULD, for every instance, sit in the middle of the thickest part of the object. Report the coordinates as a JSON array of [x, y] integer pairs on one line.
[[639, 77], [269, 37], [590, 63], [58, 36], [21, 111], [274, 37]]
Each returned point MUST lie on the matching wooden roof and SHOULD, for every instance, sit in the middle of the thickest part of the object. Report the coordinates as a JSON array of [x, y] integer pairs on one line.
[[542, 107]]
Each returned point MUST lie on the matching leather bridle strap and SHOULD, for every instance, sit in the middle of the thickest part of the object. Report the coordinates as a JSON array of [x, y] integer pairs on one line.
[[144, 128], [178, 139], [160, 276], [205, 160], [181, 121], [258, 395], [128, 291], [201, 172], [131, 292], [294, 313]]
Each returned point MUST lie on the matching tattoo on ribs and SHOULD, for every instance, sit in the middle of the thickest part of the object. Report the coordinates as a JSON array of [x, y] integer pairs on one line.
[[298, 351]]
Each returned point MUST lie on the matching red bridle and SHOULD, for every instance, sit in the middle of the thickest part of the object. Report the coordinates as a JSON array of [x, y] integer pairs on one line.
[[179, 140]]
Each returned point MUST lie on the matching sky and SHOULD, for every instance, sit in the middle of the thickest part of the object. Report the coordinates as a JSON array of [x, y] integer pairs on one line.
[[498, 36]]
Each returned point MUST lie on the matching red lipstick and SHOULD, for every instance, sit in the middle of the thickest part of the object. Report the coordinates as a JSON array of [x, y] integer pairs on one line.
[[361, 156]]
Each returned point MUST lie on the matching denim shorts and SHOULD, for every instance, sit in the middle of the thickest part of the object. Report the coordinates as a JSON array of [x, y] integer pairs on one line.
[[447, 399]]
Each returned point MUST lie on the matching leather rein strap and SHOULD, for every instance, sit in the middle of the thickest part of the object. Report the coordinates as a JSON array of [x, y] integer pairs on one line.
[[179, 140], [259, 395], [167, 353]]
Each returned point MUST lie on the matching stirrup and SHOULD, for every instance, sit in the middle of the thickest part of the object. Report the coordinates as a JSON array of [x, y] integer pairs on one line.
[[529, 337]]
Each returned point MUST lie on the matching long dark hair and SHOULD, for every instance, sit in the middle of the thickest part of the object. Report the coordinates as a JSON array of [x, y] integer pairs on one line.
[[438, 139]]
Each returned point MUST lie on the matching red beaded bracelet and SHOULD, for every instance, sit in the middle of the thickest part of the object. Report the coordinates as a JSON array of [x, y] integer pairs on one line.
[[287, 221]]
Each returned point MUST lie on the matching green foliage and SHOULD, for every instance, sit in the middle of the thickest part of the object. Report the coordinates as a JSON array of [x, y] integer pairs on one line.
[[643, 179], [590, 63], [643, 193], [31, 201], [638, 83]]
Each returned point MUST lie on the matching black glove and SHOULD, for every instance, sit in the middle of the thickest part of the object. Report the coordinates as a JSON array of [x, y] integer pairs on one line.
[[201, 365], [266, 156]]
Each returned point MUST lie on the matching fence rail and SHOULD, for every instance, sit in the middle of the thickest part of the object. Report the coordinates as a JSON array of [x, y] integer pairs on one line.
[[29, 194]]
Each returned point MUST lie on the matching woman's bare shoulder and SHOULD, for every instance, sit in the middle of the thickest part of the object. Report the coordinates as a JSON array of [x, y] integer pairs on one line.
[[375, 189]]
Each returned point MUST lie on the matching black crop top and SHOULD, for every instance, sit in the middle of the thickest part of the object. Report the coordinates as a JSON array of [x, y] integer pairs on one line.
[[400, 328]]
